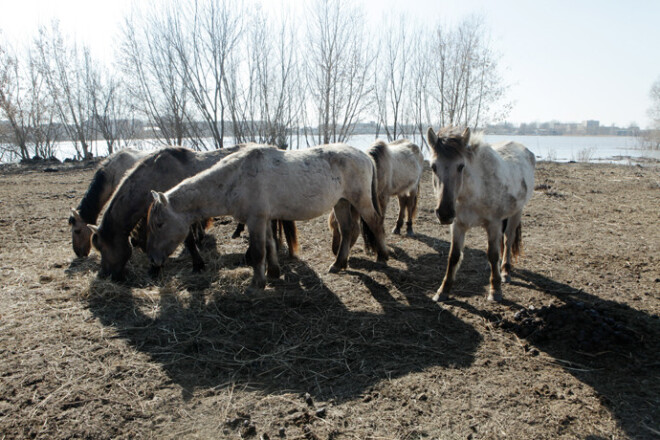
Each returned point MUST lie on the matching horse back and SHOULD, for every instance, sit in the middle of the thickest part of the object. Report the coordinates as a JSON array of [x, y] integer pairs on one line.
[[158, 171], [408, 166], [513, 169]]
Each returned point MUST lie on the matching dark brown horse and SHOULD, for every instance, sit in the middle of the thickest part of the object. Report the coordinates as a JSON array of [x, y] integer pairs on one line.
[[129, 205], [106, 179]]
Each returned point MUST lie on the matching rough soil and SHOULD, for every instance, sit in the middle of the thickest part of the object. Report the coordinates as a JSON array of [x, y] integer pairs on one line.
[[572, 352]]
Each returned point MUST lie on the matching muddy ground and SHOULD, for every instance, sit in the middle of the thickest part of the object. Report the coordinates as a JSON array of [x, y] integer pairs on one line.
[[572, 352]]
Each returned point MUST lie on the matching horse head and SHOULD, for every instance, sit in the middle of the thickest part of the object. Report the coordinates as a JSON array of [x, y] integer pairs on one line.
[[450, 154], [166, 229], [115, 252], [81, 235]]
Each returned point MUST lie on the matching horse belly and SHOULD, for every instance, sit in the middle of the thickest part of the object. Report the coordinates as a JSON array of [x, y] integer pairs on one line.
[[304, 203]]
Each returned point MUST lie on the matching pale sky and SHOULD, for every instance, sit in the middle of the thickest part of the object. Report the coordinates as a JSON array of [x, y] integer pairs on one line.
[[566, 60]]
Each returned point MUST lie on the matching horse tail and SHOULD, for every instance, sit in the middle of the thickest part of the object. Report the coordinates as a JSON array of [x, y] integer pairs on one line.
[[516, 245], [516, 248], [367, 234], [374, 189], [291, 235], [413, 211]]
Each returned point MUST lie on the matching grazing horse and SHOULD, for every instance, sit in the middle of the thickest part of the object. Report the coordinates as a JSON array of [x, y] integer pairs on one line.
[[261, 183], [105, 180], [160, 171], [480, 185], [399, 167]]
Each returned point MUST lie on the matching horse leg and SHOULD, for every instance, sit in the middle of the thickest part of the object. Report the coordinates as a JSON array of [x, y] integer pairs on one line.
[[399, 221], [494, 242], [273, 264], [239, 229], [453, 263], [510, 238], [374, 232], [343, 217], [191, 245], [412, 210], [291, 236], [333, 225], [257, 248]]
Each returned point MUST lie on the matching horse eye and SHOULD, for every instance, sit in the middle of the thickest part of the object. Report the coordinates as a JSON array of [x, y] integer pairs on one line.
[[460, 167]]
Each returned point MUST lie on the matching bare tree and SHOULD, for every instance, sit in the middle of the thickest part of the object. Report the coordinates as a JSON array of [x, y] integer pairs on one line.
[[262, 88], [463, 69], [652, 137], [152, 68], [338, 66], [24, 101], [114, 117], [62, 66], [392, 73], [204, 35]]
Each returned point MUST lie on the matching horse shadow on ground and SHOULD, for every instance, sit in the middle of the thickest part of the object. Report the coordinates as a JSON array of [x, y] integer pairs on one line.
[[137, 270], [294, 337], [611, 347], [425, 272]]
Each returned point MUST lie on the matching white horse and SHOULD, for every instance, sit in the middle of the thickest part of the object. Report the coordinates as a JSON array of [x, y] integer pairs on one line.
[[480, 185], [262, 183], [399, 166]]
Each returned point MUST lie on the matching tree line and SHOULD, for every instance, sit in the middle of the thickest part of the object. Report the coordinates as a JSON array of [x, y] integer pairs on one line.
[[196, 72]]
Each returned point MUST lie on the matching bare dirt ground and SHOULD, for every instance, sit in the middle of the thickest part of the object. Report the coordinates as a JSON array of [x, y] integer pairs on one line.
[[572, 352]]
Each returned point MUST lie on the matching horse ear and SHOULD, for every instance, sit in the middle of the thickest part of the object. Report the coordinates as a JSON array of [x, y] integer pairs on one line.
[[431, 137], [76, 215], [466, 135], [159, 197], [93, 228]]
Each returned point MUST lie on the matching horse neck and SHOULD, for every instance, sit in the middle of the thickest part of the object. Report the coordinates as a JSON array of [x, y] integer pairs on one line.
[[95, 197], [201, 196]]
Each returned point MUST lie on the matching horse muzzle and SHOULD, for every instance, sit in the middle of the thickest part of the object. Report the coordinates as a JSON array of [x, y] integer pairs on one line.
[[157, 261], [445, 218]]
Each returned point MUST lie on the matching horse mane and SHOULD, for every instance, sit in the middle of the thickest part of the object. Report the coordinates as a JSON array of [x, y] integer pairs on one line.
[[378, 152], [89, 207], [124, 193], [154, 209], [452, 146]]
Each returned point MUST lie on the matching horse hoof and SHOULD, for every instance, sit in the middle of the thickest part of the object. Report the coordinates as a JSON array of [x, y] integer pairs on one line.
[[410, 233], [441, 297], [236, 235], [334, 269], [256, 287], [506, 278], [396, 231], [495, 296]]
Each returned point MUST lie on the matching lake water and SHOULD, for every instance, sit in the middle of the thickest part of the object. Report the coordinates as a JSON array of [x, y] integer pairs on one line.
[[612, 149]]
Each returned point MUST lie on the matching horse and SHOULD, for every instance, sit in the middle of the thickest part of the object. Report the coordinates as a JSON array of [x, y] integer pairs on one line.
[[129, 205], [477, 184], [261, 183], [399, 166], [105, 181]]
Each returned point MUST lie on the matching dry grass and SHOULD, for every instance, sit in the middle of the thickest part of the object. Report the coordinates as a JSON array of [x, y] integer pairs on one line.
[[572, 352]]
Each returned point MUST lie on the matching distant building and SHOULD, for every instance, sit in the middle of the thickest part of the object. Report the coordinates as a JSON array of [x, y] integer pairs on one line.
[[591, 127]]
